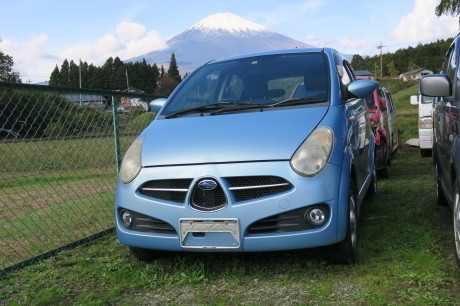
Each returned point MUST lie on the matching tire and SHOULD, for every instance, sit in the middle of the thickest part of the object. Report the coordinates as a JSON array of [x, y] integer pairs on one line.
[[144, 255], [426, 152], [344, 252], [456, 222], [440, 197], [382, 154]]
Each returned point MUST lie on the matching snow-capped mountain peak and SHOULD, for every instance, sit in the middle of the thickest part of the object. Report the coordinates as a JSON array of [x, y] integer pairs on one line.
[[228, 22], [218, 36]]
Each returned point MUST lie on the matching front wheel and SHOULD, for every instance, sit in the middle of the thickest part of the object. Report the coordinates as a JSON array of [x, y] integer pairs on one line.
[[345, 252]]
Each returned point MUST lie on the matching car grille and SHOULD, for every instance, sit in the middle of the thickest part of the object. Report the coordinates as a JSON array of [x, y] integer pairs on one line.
[[243, 188], [246, 188], [174, 190], [210, 199]]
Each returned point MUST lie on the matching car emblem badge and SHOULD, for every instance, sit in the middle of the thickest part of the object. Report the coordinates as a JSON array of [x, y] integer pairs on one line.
[[207, 185]]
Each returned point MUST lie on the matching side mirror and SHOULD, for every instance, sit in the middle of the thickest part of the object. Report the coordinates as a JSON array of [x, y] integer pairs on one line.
[[435, 85], [361, 88], [414, 100], [383, 103], [157, 104]]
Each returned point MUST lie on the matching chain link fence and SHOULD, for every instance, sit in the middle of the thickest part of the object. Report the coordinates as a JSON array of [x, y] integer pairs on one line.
[[60, 150]]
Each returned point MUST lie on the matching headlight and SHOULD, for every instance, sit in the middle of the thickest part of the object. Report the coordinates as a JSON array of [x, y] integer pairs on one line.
[[311, 157], [131, 164], [425, 123]]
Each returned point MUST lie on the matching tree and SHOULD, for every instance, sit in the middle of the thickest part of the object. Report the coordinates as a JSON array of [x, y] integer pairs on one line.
[[55, 78], [6, 69], [358, 62], [65, 73], [166, 86], [445, 7], [162, 72], [74, 75], [391, 69], [173, 71]]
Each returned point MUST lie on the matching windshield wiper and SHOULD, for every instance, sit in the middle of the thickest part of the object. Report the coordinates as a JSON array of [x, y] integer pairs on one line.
[[207, 107], [304, 100], [238, 107]]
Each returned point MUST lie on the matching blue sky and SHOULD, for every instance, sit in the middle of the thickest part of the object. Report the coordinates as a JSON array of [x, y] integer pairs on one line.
[[40, 33]]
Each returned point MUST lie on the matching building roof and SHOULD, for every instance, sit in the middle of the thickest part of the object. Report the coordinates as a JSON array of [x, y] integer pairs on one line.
[[362, 72], [417, 71]]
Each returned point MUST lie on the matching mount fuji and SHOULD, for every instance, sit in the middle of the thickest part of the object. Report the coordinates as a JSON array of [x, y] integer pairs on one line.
[[217, 36]]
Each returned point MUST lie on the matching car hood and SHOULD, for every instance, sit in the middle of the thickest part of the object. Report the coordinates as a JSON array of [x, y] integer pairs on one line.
[[254, 136]]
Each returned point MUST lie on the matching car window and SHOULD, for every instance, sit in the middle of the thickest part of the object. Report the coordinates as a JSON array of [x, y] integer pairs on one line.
[[266, 79], [449, 69]]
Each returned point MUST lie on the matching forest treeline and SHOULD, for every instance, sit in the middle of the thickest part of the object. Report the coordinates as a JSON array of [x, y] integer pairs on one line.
[[115, 74], [429, 56]]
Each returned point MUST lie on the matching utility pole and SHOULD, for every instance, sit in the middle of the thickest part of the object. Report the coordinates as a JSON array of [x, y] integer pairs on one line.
[[127, 82], [79, 75], [381, 62]]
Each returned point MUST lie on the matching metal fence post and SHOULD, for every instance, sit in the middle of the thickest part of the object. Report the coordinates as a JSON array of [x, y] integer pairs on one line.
[[116, 132]]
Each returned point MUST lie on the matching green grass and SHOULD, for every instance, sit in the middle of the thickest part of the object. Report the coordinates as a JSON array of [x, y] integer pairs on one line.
[[405, 257]]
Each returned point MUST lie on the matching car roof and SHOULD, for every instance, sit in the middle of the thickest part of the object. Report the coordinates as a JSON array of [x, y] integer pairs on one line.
[[273, 52]]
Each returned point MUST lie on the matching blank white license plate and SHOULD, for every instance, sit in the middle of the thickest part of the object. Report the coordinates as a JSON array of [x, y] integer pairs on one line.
[[209, 233]]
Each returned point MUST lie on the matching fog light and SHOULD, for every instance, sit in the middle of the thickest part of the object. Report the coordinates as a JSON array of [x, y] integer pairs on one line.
[[126, 218], [316, 216]]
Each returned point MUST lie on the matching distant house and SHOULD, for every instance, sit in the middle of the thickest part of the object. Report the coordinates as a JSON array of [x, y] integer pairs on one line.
[[128, 103], [414, 74], [362, 72], [93, 101]]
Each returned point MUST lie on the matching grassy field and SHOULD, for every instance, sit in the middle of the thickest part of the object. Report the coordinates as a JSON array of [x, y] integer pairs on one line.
[[405, 256]]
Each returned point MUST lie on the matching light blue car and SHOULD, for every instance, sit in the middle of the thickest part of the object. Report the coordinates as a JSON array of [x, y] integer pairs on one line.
[[233, 163]]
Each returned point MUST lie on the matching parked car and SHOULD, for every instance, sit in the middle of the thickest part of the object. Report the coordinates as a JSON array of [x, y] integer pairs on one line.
[[232, 163], [378, 119], [392, 122], [425, 123], [446, 130]]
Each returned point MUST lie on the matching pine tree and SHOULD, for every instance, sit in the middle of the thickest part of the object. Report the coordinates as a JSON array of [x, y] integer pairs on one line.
[[162, 72], [55, 78], [173, 71], [74, 75], [65, 73]]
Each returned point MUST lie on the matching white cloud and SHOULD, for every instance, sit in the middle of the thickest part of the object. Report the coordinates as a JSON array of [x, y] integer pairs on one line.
[[36, 58], [352, 43], [422, 24], [130, 30], [311, 37]]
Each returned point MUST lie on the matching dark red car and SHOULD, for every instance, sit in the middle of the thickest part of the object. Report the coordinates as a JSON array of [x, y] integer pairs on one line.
[[378, 119]]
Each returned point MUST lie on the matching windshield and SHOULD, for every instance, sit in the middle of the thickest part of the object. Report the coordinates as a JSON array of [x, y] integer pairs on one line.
[[254, 81]]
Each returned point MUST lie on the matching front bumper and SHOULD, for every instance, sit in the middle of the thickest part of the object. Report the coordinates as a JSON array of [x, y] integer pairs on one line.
[[426, 138], [329, 188]]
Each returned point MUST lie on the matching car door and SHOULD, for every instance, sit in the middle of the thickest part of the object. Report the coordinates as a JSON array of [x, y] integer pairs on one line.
[[445, 119], [359, 129], [392, 122]]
